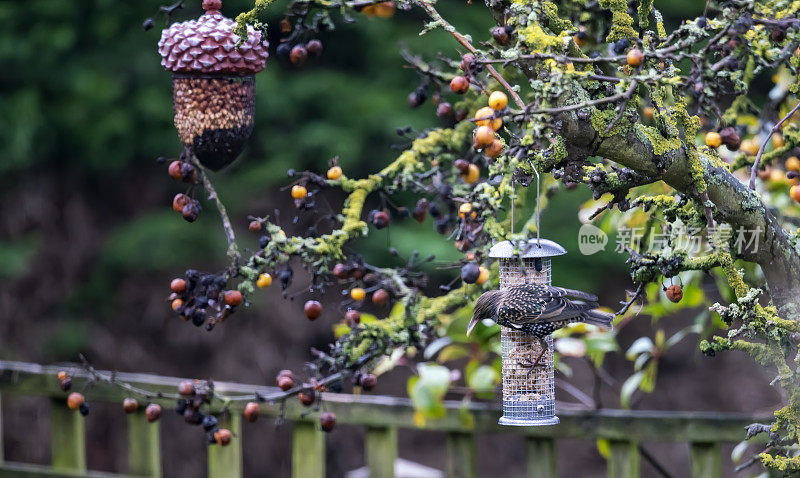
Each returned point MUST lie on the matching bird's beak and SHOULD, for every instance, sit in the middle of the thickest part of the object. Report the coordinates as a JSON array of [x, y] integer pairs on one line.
[[472, 323]]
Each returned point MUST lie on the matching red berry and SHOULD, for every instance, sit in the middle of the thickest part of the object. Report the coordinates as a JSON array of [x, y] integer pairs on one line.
[[153, 412], [444, 110], [459, 84], [674, 293], [285, 383], [179, 201], [368, 381], [174, 170], [251, 411], [178, 285], [352, 318], [314, 47], [255, 226], [313, 309], [130, 405], [380, 297], [298, 55], [186, 388], [233, 298], [467, 61], [327, 421], [340, 271], [222, 436], [306, 398], [75, 400], [380, 219]]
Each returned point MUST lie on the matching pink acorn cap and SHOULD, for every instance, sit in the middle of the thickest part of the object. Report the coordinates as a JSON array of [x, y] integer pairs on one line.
[[208, 46]]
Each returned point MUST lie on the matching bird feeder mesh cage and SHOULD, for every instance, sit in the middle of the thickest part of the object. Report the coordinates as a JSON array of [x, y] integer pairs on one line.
[[528, 392], [213, 76]]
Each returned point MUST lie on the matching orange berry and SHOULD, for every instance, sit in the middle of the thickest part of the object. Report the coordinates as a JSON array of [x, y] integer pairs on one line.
[[176, 303], [795, 193], [498, 100], [464, 209], [472, 175], [299, 192], [385, 9], [483, 276], [75, 400], [792, 163], [178, 285], [648, 112], [62, 375], [495, 149], [358, 294], [777, 141], [222, 436], [485, 112], [635, 57], [713, 139], [334, 173], [233, 298], [484, 136], [750, 147], [264, 281]]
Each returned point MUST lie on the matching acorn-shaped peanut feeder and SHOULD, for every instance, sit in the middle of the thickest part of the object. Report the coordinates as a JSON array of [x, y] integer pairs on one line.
[[528, 393], [213, 83]]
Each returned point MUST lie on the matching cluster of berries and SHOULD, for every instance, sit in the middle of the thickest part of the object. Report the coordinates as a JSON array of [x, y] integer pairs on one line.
[[200, 296]]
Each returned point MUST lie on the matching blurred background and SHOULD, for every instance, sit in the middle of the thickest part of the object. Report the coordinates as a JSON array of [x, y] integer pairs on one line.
[[89, 242]]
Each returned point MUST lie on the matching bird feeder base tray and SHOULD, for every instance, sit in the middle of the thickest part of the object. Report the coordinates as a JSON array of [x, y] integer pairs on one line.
[[536, 422]]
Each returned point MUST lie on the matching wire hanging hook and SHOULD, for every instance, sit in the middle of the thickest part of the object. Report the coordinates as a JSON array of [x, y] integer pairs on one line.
[[538, 213]]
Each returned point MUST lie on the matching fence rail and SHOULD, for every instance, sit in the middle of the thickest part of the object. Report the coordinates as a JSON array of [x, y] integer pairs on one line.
[[381, 416]]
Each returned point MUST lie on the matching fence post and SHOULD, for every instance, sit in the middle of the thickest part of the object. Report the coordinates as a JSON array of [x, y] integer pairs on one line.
[[144, 442], [541, 458], [226, 461], [68, 438], [461, 456], [623, 459], [380, 450], [706, 460], [308, 451]]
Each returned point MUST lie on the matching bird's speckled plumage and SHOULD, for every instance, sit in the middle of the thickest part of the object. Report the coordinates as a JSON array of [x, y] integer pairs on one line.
[[538, 309]]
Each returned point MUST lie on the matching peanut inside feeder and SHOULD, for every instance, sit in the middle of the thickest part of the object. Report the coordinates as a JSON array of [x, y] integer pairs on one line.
[[213, 83]]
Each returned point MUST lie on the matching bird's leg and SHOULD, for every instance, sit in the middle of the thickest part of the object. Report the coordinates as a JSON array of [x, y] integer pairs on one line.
[[533, 364], [545, 347]]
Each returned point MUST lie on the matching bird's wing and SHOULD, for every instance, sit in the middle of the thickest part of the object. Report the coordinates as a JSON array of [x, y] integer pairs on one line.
[[544, 290], [539, 303]]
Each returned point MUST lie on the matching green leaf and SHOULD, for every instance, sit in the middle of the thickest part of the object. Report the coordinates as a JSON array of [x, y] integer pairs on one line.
[[483, 379], [434, 347], [739, 450], [639, 346], [571, 347], [629, 388], [428, 390]]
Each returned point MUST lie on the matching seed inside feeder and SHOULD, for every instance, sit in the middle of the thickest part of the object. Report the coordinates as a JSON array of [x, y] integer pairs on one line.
[[214, 116]]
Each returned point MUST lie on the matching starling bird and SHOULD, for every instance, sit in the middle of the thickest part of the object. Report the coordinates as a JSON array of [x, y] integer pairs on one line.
[[538, 310]]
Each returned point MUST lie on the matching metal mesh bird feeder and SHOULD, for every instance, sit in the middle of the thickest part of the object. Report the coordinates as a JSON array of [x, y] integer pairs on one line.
[[213, 83], [528, 393]]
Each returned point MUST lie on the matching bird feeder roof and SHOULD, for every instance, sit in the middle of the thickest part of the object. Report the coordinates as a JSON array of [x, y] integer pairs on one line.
[[209, 46], [526, 250]]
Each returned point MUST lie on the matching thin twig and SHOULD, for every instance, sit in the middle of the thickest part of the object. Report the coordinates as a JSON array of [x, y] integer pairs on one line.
[[428, 7], [775, 128], [230, 235]]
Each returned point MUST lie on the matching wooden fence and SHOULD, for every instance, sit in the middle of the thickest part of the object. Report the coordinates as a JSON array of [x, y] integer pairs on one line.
[[381, 416]]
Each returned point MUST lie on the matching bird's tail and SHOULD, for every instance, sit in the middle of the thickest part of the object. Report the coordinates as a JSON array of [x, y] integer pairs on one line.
[[596, 317]]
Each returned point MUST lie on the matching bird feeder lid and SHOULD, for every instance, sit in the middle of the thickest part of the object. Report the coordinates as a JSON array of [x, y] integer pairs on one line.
[[526, 250], [208, 45]]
